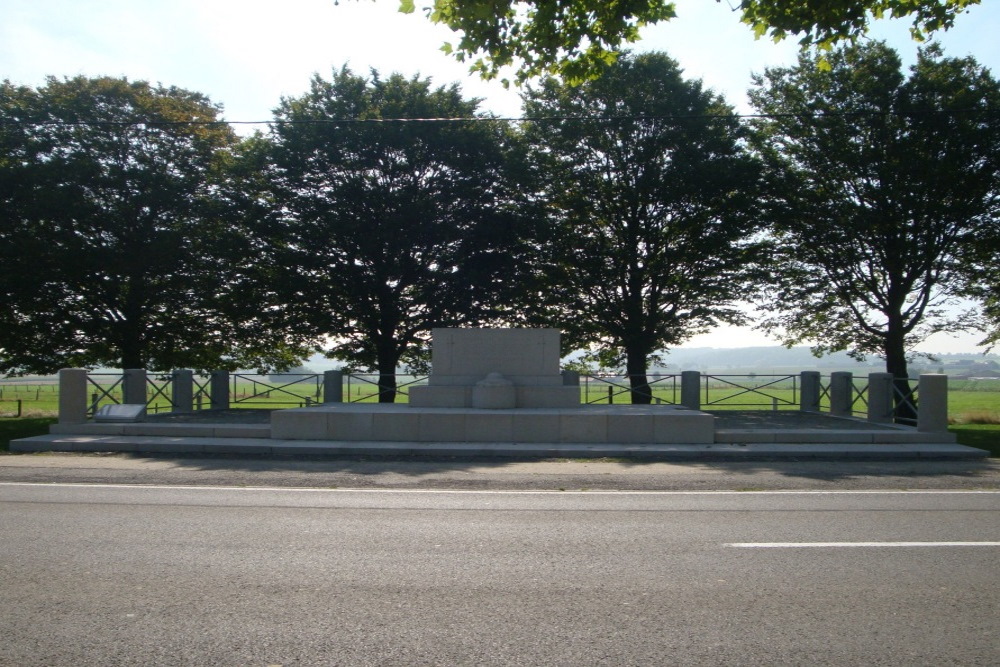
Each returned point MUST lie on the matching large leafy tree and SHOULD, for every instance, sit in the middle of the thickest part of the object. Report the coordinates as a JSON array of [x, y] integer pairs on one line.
[[649, 188], [381, 230], [576, 38], [884, 183], [111, 250]]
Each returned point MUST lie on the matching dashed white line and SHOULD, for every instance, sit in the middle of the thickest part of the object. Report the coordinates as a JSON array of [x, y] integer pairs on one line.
[[839, 545]]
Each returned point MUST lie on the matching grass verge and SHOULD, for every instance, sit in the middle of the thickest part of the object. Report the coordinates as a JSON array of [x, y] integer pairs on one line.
[[25, 427], [980, 436]]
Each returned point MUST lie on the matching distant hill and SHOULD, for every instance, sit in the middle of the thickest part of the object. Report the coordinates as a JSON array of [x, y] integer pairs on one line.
[[782, 359]]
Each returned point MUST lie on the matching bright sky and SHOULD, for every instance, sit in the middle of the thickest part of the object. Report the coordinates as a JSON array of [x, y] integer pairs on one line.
[[246, 54]]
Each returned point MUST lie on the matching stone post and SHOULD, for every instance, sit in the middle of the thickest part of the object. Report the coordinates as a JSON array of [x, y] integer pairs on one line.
[[841, 393], [570, 378], [809, 391], [333, 387], [72, 396], [932, 403], [691, 390], [182, 391], [880, 410], [134, 386], [219, 390]]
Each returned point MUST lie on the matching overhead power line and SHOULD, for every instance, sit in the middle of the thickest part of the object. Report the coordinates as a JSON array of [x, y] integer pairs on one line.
[[491, 119]]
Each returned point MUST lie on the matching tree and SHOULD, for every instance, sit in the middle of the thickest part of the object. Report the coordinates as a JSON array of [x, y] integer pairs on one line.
[[883, 184], [575, 39], [384, 230], [111, 251], [648, 186], [983, 283]]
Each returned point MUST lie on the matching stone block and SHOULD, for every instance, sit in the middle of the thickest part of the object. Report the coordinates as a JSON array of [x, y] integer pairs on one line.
[[393, 427], [348, 424], [241, 430], [495, 392], [441, 396], [683, 427], [443, 426], [479, 352], [630, 428], [535, 427], [301, 424], [548, 397], [88, 429], [170, 430], [489, 427], [583, 426]]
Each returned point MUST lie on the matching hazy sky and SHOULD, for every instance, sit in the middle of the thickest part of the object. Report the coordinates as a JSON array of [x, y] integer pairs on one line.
[[246, 54]]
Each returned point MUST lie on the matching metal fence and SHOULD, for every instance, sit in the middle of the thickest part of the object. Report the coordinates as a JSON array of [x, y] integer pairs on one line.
[[877, 397], [612, 388], [365, 387]]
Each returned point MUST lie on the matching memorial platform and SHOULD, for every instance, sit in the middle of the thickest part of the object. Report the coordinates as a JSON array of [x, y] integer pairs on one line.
[[586, 424]]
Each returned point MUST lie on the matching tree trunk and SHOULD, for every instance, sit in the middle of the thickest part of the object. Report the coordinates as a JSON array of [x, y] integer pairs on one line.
[[895, 363], [388, 359], [635, 368], [131, 346]]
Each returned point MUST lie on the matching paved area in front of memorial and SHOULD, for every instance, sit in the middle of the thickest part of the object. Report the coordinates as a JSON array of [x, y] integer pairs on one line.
[[494, 474], [741, 436]]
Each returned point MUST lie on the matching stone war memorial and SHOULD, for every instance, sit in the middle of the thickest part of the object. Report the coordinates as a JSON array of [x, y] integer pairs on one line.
[[495, 385], [500, 392]]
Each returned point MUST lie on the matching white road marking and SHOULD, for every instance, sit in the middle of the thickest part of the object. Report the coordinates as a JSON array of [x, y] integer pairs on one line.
[[836, 545]]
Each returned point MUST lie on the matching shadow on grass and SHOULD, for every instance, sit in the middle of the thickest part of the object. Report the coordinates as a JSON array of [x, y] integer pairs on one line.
[[13, 428], [980, 436]]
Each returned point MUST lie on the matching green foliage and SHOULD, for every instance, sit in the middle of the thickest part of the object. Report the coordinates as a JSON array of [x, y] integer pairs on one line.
[[377, 232], [882, 185], [824, 24], [112, 249], [648, 188], [576, 39]]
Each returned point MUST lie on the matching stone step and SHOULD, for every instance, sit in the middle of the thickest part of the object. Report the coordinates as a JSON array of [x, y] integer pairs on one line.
[[808, 436], [173, 430], [275, 447]]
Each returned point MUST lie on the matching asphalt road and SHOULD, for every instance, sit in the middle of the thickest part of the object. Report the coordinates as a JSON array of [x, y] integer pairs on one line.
[[134, 575]]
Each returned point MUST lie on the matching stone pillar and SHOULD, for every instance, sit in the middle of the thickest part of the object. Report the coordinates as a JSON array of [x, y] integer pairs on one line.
[[72, 396], [880, 410], [841, 393], [333, 387], [691, 390], [219, 390], [809, 391], [134, 386], [932, 403], [182, 391], [571, 378]]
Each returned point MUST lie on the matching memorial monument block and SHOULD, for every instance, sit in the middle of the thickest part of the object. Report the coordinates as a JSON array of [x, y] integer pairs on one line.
[[495, 369]]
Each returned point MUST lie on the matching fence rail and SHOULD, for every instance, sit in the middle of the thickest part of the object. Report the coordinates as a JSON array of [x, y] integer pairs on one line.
[[366, 387], [757, 391], [611, 388], [279, 389]]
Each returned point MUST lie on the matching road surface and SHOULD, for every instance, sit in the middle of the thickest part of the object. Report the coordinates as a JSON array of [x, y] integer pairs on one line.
[[140, 575]]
